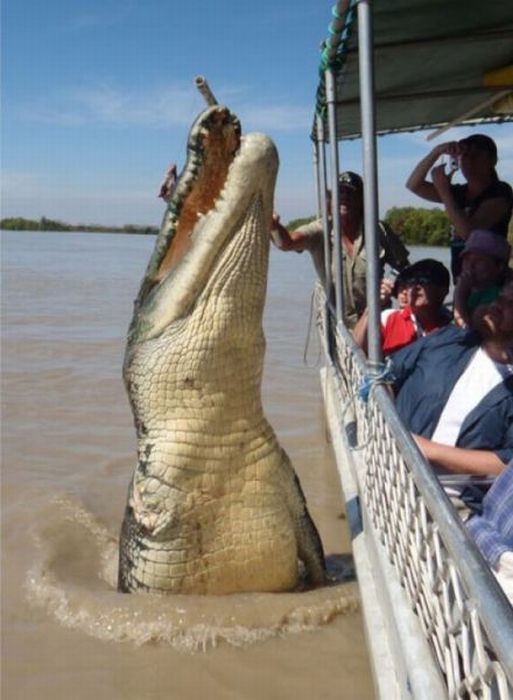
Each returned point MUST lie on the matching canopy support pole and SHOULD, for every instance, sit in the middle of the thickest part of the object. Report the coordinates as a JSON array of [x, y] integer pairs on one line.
[[335, 199], [322, 204], [317, 176], [370, 181]]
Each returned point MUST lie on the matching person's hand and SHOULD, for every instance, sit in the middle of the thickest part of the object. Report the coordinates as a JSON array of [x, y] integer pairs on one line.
[[279, 234], [441, 180], [449, 148], [385, 291], [453, 149], [466, 281]]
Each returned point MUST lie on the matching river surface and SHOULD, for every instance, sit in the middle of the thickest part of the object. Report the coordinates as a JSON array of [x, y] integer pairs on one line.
[[68, 452]]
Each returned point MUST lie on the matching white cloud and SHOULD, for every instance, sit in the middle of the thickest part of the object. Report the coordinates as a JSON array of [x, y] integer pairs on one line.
[[105, 104], [158, 107]]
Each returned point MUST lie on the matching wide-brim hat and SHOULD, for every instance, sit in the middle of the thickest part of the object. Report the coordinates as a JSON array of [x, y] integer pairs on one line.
[[487, 243]]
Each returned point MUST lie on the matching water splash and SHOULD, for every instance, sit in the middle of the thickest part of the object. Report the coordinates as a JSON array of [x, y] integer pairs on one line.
[[74, 579]]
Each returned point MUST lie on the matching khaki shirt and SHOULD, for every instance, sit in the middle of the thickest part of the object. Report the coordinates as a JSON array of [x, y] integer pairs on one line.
[[354, 270]]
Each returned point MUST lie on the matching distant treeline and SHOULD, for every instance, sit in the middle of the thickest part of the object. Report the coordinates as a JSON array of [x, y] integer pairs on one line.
[[415, 225], [419, 226], [18, 223]]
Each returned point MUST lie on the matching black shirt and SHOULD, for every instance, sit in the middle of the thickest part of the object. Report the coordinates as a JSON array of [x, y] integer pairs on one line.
[[497, 189]]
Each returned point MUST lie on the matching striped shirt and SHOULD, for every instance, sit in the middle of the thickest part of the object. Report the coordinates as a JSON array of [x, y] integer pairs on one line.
[[493, 530]]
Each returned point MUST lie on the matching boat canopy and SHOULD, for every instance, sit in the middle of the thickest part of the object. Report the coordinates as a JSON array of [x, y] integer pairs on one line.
[[436, 63]]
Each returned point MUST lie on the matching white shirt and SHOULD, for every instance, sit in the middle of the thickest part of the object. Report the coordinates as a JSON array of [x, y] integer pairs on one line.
[[479, 378]]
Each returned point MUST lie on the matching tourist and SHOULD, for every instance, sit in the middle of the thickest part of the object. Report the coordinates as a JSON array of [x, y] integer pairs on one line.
[[399, 290], [426, 283], [484, 270], [483, 202], [354, 272], [454, 391]]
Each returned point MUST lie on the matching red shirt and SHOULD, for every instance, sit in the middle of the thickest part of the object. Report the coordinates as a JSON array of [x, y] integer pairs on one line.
[[402, 328]]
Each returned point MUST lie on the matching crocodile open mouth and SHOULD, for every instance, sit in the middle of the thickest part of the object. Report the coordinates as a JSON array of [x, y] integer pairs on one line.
[[213, 143]]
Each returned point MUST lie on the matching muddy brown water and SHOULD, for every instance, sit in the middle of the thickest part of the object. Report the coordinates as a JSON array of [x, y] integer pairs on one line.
[[68, 451]]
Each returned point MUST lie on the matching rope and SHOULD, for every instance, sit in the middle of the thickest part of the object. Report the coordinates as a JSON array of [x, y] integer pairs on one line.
[[309, 335], [339, 30], [369, 381], [333, 53], [336, 14]]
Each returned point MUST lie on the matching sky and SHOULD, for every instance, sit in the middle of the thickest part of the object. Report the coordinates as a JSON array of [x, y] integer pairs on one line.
[[98, 97]]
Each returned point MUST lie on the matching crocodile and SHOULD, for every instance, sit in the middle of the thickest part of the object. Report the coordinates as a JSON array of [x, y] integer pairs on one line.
[[214, 505]]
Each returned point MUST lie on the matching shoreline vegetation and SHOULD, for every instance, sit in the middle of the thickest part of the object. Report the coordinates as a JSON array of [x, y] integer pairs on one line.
[[19, 223], [415, 225]]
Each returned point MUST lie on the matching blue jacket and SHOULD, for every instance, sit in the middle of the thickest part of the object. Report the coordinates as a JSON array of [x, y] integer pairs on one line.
[[425, 373]]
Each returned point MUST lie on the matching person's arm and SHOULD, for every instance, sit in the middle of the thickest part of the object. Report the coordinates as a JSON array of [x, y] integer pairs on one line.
[[460, 299], [418, 182], [460, 460], [360, 331], [288, 240], [442, 184]]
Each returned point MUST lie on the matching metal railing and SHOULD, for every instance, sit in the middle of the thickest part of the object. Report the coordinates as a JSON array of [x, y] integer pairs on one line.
[[462, 611]]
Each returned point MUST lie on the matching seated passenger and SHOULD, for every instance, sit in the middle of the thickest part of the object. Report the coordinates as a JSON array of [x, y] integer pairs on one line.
[[492, 531], [484, 270], [454, 391], [399, 289], [354, 271], [427, 284]]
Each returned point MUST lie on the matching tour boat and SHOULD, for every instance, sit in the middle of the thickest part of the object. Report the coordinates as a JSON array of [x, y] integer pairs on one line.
[[437, 623]]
